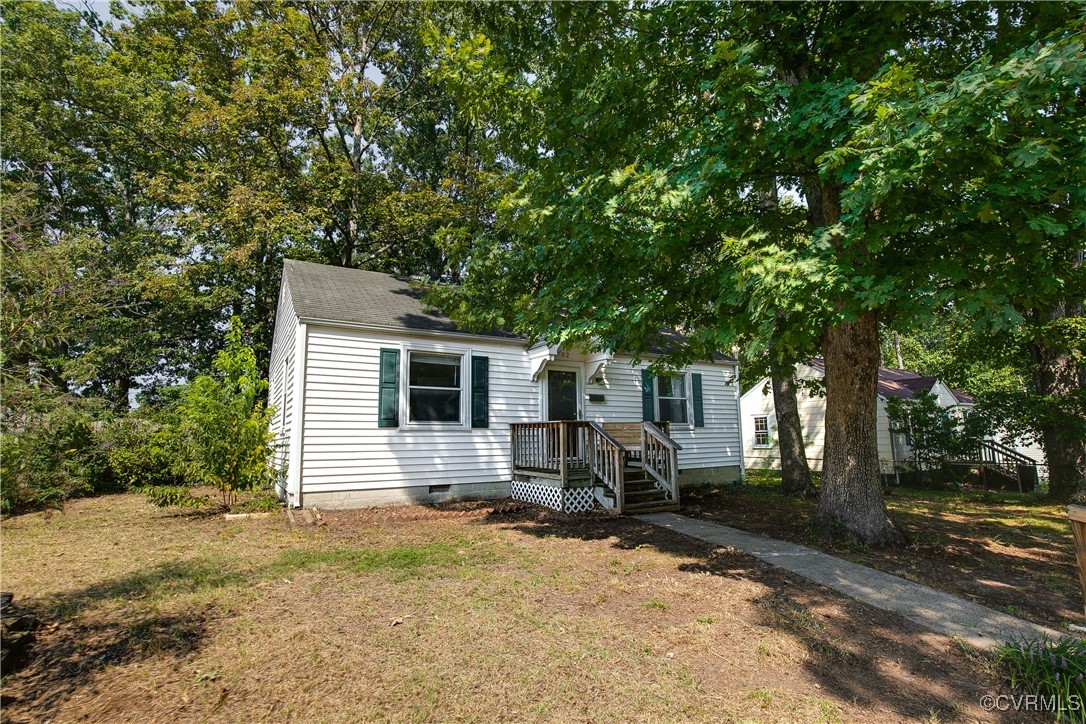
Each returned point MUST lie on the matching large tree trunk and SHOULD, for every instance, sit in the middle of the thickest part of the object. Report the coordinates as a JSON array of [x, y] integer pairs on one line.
[[1058, 377], [851, 501], [795, 472]]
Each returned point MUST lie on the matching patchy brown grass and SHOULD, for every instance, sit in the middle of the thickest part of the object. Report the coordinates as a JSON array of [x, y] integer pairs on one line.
[[524, 615], [1007, 551]]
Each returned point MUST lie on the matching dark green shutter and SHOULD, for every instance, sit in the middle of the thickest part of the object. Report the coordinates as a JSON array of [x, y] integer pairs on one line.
[[647, 407], [480, 391], [699, 406], [388, 401]]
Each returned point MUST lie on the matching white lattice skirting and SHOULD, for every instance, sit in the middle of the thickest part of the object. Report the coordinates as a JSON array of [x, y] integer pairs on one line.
[[569, 500]]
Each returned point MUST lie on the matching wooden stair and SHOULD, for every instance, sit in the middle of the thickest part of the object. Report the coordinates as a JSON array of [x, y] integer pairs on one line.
[[642, 494]]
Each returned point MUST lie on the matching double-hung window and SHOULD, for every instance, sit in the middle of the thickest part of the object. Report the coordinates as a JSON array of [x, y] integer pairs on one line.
[[761, 431], [434, 387], [671, 398]]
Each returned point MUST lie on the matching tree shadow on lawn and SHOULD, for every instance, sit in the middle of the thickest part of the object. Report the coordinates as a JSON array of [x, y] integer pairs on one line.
[[117, 622], [69, 657], [997, 557], [856, 653], [70, 653]]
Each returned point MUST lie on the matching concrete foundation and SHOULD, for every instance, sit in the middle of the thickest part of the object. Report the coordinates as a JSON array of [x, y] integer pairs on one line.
[[419, 495], [709, 476], [435, 494]]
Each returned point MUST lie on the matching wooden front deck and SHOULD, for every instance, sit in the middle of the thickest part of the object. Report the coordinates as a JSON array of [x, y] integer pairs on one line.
[[614, 460]]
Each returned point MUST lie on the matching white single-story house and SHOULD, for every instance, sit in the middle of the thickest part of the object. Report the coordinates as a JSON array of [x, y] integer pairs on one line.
[[379, 400], [1000, 461], [760, 449]]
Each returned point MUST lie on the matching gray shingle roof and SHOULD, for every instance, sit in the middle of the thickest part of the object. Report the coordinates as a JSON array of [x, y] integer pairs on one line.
[[338, 294], [373, 299], [663, 342]]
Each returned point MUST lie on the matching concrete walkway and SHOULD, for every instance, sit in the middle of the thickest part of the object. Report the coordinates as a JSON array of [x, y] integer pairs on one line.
[[941, 612]]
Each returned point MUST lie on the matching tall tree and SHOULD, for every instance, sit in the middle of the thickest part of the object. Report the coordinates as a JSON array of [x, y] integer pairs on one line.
[[644, 130], [795, 470], [309, 130], [81, 137], [198, 144], [990, 161]]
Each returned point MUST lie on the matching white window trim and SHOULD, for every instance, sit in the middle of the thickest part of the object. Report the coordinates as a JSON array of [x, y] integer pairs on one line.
[[754, 432], [405, 383], [689, 399]]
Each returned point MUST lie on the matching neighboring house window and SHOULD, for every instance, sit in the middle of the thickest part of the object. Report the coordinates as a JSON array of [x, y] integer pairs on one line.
[[434, 387], [671, 398], [761, 431]]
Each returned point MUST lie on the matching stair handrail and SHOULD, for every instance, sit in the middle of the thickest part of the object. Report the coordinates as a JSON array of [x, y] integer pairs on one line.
[[607, 462], [660, 459], [655, 429], [607, 436], [1008, 452]]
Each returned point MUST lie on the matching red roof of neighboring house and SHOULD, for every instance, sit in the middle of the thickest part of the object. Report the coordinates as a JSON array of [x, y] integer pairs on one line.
[[903, 383]]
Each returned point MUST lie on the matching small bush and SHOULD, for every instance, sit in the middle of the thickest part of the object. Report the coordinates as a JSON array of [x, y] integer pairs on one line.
[[1049, 668], [226, 426], [178, 496], [50, 452], [143, 452], [263, 502]]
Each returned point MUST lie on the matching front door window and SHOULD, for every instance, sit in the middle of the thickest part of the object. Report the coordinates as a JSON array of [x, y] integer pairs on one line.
[[562, 395]]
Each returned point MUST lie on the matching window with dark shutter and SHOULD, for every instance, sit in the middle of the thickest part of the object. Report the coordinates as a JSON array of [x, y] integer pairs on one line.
[[433, 387], [480, 392], [388, 402], [671, 398], [699, 405], [648, 412]]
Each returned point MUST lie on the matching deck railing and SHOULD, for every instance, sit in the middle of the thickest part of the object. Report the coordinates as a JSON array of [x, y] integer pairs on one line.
[[550, 447], [1008, 461], [607, 462], [581, 449], [660, 458]]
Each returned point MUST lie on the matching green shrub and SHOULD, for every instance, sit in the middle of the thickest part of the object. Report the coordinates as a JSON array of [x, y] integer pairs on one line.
[[1049, 668], [143, 452], [263, 502], [935, 435], [179, 496], [225, 425], [49, 449]]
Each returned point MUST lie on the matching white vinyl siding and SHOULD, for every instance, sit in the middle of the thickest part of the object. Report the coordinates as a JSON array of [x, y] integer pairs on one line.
[[345, 450], [282, 365], [812, 416], [715, 445]]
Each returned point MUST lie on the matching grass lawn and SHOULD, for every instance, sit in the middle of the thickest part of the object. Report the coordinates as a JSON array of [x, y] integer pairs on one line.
[[155, 615], [1011, 552]]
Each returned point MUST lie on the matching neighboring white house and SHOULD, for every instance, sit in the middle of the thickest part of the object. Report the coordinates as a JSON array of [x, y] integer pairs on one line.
[[380, 401], [760, 420]]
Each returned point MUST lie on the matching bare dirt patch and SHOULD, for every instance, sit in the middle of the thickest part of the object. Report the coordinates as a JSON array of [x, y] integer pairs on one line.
[[1009, 552], [509, 615]]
